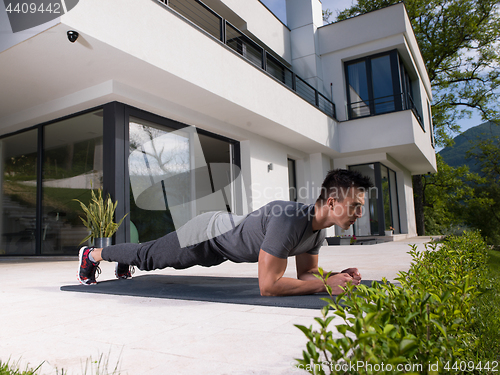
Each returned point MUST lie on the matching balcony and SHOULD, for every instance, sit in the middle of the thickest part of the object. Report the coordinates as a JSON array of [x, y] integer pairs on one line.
[[219, 28], [385, 104]]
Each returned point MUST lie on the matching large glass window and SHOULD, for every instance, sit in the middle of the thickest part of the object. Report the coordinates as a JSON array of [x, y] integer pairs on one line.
[[175, 175], [72, 165], [373, 85], [18, 202], [359, 99], [382, 84]]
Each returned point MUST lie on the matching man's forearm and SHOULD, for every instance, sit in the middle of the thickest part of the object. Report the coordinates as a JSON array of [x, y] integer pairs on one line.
[[311, 275], [286, 286]]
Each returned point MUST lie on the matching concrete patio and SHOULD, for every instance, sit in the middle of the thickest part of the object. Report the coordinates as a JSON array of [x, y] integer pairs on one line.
[[146, 336]]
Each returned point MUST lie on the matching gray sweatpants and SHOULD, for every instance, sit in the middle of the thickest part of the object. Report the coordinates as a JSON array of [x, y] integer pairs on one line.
[[164, 252]]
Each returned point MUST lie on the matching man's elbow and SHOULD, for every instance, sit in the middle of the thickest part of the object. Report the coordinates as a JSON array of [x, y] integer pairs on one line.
[[267, 291]]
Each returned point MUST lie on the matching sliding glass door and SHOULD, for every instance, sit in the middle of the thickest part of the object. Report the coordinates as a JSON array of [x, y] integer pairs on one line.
[[176, 174], [72, 166], [381, 209], [18, 175]]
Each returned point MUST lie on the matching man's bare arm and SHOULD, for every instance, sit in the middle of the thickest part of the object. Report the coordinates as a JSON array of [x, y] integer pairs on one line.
[[272, 282], [307, 268]]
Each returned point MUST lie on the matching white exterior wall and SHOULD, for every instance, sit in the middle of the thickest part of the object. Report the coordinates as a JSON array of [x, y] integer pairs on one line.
[[303, 18], [268, 185], [406, 203]]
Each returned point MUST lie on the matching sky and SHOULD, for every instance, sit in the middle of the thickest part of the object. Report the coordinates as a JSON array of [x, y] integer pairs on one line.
[[278, 8]]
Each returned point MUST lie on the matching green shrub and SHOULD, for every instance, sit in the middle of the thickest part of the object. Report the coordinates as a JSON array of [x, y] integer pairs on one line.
[[487, 314], [424, 326]]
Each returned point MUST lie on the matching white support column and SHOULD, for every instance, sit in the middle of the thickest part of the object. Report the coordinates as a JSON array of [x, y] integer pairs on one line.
[[303, 18]]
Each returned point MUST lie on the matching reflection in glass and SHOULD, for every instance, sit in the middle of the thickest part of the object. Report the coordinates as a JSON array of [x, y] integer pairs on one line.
[[153, 155], [358, 90], [176, 175], [386, 197], [292, 180], [368, 223], [18, 203], [383, 91], [72, 164], [394, 201]]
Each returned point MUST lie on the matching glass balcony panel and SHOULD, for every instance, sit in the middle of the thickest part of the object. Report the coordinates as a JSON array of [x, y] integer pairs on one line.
[[243, 45], [199, 14], [276, 69]]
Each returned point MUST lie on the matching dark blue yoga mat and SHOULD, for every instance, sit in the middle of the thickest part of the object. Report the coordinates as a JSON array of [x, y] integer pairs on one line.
[[239, 290]]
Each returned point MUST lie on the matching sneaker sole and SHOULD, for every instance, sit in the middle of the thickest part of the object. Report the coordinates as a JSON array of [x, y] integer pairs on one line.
[[80, 255], [121, 277]]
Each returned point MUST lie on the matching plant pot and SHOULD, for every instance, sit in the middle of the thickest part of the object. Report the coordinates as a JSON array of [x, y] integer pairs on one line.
[[388, 232], [102, 242], [338, 240]]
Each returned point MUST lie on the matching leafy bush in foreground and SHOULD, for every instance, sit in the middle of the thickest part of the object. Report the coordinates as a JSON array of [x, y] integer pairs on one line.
[[424, 326]]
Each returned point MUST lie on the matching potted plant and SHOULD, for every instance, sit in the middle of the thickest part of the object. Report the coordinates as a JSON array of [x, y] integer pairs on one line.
[[389, 232], [338, 240], [98, 219]]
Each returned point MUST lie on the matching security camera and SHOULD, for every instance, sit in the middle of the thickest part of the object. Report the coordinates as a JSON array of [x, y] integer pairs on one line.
[[72, 36]]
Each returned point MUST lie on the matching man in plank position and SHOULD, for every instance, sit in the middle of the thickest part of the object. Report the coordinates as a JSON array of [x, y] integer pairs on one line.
[[268, 236]]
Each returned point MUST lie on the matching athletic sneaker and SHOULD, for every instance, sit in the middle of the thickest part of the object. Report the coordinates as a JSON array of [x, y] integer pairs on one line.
[[124, 271], [87, 269]]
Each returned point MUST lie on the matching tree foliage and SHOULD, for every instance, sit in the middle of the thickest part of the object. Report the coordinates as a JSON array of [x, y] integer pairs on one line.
[[448, 195], [456, 199], [459, 42], [486, 216]]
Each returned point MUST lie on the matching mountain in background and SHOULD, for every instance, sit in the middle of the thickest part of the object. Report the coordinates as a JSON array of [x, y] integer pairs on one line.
[[455, 155]]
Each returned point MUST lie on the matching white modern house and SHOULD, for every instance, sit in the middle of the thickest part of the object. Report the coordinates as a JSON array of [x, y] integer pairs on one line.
[[178, 107]]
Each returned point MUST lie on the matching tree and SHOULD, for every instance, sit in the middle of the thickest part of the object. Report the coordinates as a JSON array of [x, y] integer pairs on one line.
[[459, 41], [487, 216], [448, 194]]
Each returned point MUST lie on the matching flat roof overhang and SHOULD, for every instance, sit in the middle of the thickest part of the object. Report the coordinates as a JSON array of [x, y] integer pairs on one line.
[[47, 77]]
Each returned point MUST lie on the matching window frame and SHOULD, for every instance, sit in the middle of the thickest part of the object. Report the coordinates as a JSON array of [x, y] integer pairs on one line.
[[396, 83]]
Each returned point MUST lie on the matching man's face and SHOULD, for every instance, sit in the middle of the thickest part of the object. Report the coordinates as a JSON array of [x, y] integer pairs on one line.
[[345, 213]]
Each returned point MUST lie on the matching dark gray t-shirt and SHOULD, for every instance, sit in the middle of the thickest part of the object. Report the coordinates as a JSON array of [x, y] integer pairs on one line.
[[280, 228]]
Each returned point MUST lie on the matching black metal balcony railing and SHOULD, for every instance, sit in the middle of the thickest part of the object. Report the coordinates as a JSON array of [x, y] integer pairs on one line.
[[385, 104], [205, 18], [409, 104]]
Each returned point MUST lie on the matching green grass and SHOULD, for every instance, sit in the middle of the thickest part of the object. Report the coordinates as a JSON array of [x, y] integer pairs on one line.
[[101, 366], [13, 369]]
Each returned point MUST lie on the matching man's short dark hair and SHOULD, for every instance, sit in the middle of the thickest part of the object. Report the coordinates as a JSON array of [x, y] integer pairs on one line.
[[339, 183]]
